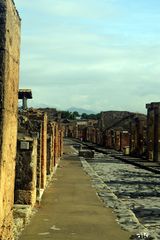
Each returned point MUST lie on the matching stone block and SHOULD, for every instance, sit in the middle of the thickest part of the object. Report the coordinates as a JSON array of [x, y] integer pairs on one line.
[[86, 153]]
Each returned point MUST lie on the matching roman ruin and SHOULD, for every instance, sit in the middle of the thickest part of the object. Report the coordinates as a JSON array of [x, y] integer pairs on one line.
[[31, 141]]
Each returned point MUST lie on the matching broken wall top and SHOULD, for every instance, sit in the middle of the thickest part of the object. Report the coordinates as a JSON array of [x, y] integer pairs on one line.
[[30, 122]]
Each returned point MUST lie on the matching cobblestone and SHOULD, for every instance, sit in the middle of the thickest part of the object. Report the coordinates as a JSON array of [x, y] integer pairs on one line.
[[132, 193]]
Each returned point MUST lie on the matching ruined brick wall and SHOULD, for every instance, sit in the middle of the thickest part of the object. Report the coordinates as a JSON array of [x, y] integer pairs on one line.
[[110, 139], [26, 171], [9, 78], [34, 123], [117, 140], [153, 131], [109, 118], [138, 137], [124, 140]]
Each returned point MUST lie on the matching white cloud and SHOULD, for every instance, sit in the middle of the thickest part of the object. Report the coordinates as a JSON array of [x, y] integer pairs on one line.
[[69, 8], [82, 53]]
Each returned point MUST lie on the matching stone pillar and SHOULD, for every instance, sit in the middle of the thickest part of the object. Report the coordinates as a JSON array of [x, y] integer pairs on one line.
[[9, 78], [24, 103], [61, 142], [94, 134], [138, 136], [37, 126], [124, 140], [44, 152], [56, 145], [117, 140], [153, 131], [26, 171], [50, 148], [141, 137]]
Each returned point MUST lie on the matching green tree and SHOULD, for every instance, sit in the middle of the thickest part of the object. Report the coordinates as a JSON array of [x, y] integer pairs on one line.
[[84, 116], [76, 114]]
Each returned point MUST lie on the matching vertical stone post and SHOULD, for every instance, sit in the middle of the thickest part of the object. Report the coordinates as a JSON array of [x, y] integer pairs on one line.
[[150, 126], [26, 171], [9, 79], [61, 142], [44, 152], [137, 137], [141, 137], [153, 131], [124, 140], [117, 140], [49, 148]]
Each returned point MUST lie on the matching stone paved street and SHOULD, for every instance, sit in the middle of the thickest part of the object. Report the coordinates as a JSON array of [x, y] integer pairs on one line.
[[127, 188]]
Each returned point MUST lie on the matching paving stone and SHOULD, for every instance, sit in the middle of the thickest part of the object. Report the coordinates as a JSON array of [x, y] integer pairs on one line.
[[133, 193]]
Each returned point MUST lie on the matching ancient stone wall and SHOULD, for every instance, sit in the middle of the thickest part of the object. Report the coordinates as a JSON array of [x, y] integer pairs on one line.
[[9, 78], [34, 124], [26, 171]]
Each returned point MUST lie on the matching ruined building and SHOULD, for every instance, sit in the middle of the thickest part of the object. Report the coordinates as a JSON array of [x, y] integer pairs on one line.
[[119, 130], [9, 78], [40, 146]]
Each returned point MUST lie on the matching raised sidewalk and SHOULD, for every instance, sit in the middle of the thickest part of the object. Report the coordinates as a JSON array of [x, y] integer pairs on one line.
[[70, 208]]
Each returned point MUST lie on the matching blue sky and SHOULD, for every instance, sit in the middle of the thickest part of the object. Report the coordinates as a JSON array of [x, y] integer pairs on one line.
[[98, 55]]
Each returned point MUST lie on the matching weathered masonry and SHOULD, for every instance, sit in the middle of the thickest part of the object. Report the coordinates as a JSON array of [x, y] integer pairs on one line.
[[9, 79], [32, 124], [119, 130], [39, 148], [138, 136], [26, 166], [153, 131], [133, 133]]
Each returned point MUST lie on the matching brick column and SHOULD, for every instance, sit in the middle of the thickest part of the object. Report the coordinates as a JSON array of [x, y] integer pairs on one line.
[[153, 131], [138, 136]]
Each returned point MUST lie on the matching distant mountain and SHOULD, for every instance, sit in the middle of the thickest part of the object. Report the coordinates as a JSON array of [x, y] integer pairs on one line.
[[80, 110]]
